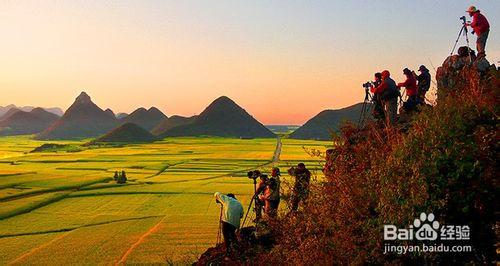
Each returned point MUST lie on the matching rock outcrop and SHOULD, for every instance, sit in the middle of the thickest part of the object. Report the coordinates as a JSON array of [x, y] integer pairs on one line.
[[459, 71]]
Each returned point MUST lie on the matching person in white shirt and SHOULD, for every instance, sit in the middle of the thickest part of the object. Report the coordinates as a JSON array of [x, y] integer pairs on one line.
[[232, 212]]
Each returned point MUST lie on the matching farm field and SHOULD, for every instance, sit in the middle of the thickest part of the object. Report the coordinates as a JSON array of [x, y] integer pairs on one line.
[[64, 208]]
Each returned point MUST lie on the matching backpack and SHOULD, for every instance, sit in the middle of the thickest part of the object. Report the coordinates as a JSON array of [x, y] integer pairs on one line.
[[462, 51], [272, 183], [391, 92]]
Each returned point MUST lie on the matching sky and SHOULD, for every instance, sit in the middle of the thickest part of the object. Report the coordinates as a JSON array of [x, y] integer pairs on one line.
[[283, 61]]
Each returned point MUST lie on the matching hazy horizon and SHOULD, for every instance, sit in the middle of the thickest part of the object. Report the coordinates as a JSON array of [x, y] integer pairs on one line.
[[147, 107], [282, 62]]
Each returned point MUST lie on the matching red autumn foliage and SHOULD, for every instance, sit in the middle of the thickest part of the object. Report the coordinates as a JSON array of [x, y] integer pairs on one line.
[[445, 164]]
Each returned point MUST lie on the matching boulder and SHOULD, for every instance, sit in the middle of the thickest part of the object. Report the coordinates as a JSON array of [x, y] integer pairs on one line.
[[459, 72]]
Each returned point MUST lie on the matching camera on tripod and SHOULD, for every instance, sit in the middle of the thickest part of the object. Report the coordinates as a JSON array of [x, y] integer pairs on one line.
[[254, 174], [463, 31], [368, 85], [462, 18]]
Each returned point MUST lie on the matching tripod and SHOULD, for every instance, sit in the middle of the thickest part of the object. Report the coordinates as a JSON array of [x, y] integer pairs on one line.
[[366, 108], [219, 233], [463, 31], [252, 201]]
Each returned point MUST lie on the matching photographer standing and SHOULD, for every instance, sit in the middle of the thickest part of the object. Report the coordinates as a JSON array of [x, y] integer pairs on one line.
[[274, 192], [424, 82], [410, 85], [481, 28], [378, 110], [389, 95], [232, 212], [301, 187], [268, 192], [260, 198]]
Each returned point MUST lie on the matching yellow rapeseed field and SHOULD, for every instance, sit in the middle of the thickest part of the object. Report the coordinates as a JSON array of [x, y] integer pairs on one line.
[[64, 208]]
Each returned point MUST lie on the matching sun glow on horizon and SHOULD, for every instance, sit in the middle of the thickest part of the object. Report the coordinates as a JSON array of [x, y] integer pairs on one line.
[[283, 63]]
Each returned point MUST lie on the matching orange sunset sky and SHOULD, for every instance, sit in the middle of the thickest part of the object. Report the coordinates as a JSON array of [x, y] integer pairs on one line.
[[283, 61]]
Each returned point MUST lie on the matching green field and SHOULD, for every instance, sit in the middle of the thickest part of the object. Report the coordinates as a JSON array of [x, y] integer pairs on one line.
[[63, 207]]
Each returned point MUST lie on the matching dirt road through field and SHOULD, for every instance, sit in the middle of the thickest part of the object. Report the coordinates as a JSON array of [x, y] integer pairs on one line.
[[277, 151]]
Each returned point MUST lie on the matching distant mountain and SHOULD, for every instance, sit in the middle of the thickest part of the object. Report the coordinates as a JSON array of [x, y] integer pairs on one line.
[[17, 122], [321, 126], [44, 114], [54, 110], [171, 122], [110, 113], [146, 119], [5, 109], [9, 113], [121, 115], [223, 118], [127, 132], [83, 119]]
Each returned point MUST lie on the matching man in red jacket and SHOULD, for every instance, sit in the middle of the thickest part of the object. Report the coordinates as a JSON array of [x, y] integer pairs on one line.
[[411, 90], [481, 28]]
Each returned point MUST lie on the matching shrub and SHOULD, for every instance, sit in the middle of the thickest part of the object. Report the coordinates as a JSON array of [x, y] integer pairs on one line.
[[444, 164]]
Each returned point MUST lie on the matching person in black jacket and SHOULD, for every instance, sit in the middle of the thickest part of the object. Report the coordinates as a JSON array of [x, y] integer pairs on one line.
[[424, 82], [378, 109], [301, 187]]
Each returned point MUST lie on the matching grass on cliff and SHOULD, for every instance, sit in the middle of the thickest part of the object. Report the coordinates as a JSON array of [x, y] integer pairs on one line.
[[444, 164]]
